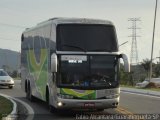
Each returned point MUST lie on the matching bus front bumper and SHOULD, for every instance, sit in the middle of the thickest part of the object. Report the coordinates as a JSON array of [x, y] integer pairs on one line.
[[87, 104]]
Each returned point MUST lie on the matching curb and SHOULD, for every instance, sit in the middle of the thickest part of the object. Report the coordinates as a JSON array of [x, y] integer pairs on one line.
[[139, 91], [29, 109], [13, 114]]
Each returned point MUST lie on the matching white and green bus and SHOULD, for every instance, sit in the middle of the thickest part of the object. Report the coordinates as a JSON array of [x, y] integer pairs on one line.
[[72, 63]]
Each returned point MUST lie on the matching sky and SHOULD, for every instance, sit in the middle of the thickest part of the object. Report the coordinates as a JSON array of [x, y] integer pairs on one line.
[[16, 15]]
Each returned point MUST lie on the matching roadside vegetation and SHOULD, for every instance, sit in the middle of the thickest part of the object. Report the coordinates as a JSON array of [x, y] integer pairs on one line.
[[6, 107], [139, 73]]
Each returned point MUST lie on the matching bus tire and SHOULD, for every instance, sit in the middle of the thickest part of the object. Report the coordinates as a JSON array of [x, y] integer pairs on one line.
[[51, 108], [26, 85], [29, 94]]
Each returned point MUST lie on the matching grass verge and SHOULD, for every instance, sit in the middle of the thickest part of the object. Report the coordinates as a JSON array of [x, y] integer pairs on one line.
[[6, 107]]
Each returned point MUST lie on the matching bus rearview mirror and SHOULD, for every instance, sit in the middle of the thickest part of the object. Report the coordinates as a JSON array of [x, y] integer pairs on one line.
[[126, 62], [53, 62]]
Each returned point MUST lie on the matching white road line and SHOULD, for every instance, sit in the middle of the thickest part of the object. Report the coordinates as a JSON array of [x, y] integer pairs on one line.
[[141, 94], [28, 107], [14, 110]]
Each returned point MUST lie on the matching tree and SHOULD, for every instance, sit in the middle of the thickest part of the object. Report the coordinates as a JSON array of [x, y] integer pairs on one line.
[[14, 74], [146, 65], [5, 67], [157, 70], [125, 78]]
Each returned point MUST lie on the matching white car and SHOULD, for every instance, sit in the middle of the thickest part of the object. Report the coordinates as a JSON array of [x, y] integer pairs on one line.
[[5, 79], [142, 84]]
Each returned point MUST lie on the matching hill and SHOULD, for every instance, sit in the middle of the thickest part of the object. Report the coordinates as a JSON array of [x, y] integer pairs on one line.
[[9, 59]]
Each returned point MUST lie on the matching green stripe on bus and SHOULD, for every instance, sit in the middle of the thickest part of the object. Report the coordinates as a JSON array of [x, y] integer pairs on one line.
[[39, 70], [84, 94]]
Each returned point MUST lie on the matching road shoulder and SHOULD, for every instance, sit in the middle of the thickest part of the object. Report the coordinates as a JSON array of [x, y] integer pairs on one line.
[[140, 91], [20, 109]]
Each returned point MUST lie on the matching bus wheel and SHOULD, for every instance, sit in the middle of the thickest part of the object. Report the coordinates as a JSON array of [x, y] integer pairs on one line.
[[29, 95], [51, 108]]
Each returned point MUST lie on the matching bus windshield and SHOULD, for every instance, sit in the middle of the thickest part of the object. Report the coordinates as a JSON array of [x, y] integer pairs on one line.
[[86, 37], [88, 72]]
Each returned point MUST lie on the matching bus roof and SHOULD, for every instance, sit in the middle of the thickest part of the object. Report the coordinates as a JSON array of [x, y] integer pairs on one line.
[[78, 20], [61, 20]]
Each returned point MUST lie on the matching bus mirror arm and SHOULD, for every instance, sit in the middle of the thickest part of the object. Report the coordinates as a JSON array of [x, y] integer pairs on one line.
[[126, 62], [53, 63]]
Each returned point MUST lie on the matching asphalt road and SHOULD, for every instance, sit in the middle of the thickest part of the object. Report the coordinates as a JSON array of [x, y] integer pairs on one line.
[[41, 109], [129, 104], [140, 104]]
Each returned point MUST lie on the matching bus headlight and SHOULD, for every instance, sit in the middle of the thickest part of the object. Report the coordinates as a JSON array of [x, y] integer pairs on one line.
[[59, 104], [65, 96]]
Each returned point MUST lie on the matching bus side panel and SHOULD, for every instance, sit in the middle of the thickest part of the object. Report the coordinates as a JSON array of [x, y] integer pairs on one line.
[[38, 73], [37, 61], [52, 80], [24, 70]]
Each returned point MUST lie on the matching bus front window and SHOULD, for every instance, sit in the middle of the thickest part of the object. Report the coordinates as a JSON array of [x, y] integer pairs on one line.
[[86, 37], [88, 72]]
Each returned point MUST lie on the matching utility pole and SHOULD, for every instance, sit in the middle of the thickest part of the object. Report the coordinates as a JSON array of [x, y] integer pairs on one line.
[[154, 25], [159, 56]]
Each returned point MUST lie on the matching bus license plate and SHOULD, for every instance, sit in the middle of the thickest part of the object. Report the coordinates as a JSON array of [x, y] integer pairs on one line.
[[89, 104]]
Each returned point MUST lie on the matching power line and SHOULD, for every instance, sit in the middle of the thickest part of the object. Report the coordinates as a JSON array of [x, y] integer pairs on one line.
[[15, 26]]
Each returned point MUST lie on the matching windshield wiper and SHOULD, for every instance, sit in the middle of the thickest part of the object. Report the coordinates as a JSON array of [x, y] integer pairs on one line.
[[72, 46]]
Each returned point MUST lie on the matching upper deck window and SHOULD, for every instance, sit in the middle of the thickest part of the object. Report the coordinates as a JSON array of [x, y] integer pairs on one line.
[[86, 37]]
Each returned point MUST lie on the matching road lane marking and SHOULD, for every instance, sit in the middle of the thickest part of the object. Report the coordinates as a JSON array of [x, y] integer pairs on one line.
[[27, 106], [14, 107], [141, 94], [123, 111]]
